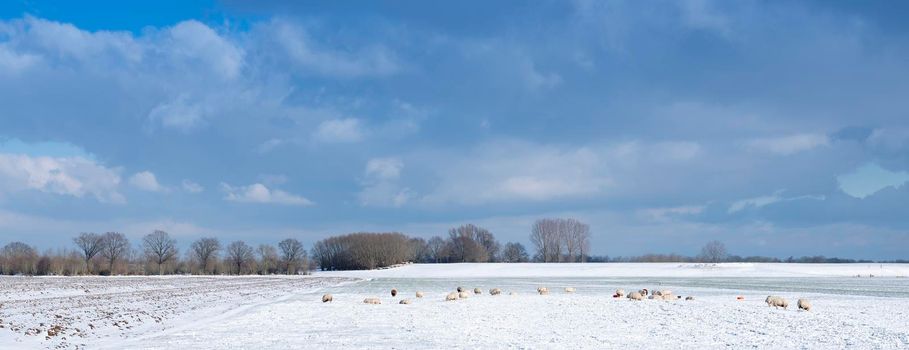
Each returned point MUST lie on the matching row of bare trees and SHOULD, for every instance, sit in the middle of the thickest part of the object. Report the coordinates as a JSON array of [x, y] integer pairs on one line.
[[157, 253], [560, 240]]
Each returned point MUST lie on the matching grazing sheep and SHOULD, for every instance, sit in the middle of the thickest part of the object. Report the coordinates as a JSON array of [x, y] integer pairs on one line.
[[495, 291], [327, 298], [419, 294], [394, 292], [636, 296], [477, 291], [643, 292], [460, 289], [569, 289], [689, 298], [777, 302], [374, 301], [662, 292], [451, 296], [404, 301], [543, 290], [619, 293], [463, 295], [804, 304]]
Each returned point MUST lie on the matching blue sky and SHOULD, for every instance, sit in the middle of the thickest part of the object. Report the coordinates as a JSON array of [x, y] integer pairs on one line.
[[779, 128]]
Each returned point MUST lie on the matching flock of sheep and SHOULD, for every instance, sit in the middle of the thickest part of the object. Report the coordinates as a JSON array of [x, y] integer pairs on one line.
[[462, 293]]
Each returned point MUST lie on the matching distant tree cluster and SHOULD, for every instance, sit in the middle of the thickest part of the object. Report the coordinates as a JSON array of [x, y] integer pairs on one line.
[[715, 252], [560, 240], [157, 253]]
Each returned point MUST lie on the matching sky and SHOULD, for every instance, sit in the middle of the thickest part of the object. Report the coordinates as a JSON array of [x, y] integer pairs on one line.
[[779, 128]]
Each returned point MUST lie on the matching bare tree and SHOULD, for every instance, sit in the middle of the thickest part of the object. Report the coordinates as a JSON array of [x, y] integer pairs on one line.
[[552, 237], [292, 253], [18, 258], [514, 252], [113, 247], [268, 259], [470, 243], [206, 250], [239, 254], [90, 244], [714, 251], [435, 248], [160, 248]]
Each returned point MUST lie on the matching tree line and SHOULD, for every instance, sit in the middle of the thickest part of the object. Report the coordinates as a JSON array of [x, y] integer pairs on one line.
[[554, 240], [112, 253]]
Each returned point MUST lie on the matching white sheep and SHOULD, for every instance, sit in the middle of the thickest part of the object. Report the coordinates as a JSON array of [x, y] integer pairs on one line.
[[804, 304], [463, 295], [495, 291], [327, 298], [619, 293], [569, 289], [404, 301], [373, 301], [543, 290], [460, 289], [635, 296], [643, 292], [477, 291], [451, 296], [777, 302], [419, 294]]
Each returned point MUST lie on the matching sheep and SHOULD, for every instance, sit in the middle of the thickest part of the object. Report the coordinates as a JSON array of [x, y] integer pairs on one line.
[[569, 289], [419, 294], [619, 293], [477, 291], [495, 291], [374, 301], [451, 296], [460, 289], [777, 302], [689, 298], [463, 295], [404, 301], [635, 296], [643, 292], [327, 298], [394, 292], [662, 292], [543, 290], [804, 304]]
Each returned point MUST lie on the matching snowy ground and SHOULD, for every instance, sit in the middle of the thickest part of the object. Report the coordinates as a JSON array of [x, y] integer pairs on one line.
[[850, 312]]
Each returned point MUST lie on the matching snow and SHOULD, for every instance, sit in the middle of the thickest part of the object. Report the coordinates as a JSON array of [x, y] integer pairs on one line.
[[287, 313]]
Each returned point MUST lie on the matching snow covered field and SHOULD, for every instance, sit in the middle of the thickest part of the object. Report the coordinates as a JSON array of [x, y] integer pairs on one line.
[[267, 313]]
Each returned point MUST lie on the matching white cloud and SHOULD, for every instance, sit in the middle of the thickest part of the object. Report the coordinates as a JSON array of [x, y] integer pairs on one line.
[[380, 185], [384, 168], [870, 178], [193, 41], [791, 144], [666, 214], [761, 201], [520, 171], [305, 56], [146, 181], [339, 130], [192, 187], [73, 176], [179, 113], [259, 193]]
